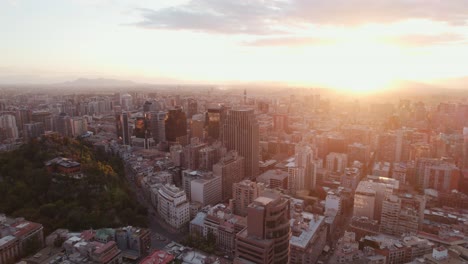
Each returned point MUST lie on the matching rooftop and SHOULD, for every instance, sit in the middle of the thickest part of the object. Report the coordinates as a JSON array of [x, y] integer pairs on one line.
[[308, 229]]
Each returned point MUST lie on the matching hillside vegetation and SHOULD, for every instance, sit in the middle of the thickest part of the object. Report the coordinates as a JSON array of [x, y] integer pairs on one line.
[[101, 199]]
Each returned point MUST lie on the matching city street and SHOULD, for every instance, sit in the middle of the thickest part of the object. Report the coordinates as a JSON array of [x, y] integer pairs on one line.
[[160, 235]]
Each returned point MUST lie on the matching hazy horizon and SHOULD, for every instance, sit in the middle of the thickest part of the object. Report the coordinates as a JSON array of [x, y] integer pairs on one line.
[[360, 45]]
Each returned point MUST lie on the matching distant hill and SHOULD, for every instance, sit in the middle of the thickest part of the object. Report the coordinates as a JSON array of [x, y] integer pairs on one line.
[[97, 82]]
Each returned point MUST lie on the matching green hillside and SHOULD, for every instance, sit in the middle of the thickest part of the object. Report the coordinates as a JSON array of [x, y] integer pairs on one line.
[[101, 199]]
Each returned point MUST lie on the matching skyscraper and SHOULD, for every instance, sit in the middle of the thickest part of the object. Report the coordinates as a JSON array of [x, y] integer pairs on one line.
[[266, 238], [231, 169], [176, 126], [123, 129], [240, 133], [214, 121], [157, 126]]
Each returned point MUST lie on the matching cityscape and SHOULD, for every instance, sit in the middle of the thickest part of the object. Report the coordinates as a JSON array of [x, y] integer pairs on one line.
[[234, 132]]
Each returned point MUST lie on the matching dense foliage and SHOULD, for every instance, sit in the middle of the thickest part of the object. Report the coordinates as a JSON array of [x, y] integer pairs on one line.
[[101, 199]]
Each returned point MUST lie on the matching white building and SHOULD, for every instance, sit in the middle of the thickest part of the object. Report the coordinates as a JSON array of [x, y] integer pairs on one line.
[[332, 202], [173, 206], [206, 190]]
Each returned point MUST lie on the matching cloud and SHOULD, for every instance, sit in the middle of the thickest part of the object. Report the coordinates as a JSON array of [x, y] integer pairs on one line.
[[269, 16], [290, 41], [221, 16], [427, 40]]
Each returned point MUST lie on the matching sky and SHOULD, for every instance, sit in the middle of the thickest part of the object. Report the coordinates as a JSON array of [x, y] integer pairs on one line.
[[357, 45]]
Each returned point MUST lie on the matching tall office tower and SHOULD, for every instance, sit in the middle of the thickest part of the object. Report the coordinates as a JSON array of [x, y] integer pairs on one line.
[[402, 214], [63, 124], [280, 123], [305, 178], [122, 128], [214, 122], [438, 174], [192, 107], [192, 154], [370, 194], [241, 134], [244, 193], [231, 169], [176, 126], [358, 152], [337, 162], [266, 238], [78, 125], [173, 206], [140, 127], [387, 147], [156, 125], [197, 125], [8, 128], [44, 117], [210, 155], [23, 116], [33, 130], [126, 101]]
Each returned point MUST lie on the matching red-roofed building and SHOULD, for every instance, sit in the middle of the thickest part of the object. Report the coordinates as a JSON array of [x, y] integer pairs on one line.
[[158, 257], [19, 238], [106, 253]]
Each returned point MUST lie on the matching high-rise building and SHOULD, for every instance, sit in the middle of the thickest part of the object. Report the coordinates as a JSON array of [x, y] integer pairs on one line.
[[231, 170], [209, 156], [173, 206], [157, 126], [192, 154], [197, 125], [402, 214], [63, 124], [176, 126], [359, 152], [306, 175], [370, 195], [123, 130], [192, 108], [78, 126], [244, 193], [202, 186], [23, 116], [126, 101], [336, 162], [280, 123], [8, 128], [33, 130], [240, 133], [387, 147], [438, 174], [214, 122], [266, 238]]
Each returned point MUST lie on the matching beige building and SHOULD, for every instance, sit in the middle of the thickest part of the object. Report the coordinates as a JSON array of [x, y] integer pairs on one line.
[[244, 193], [231, 170], [241, 133], [266, 238]]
